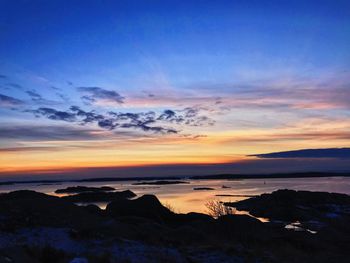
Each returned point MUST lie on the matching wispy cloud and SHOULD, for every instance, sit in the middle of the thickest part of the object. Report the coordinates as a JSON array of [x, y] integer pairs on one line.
[[63, 97], [7, 101], [35, 96], [53, 132], [54, 114], [15, 85], [28, 149], [100, 96], [54, 88], [38, 99], [288, 93]]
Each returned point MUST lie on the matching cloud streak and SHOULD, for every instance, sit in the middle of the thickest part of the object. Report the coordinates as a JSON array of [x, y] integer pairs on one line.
[[7, 101], [100, 96], [42, 133], [34, 95], [14, 85]]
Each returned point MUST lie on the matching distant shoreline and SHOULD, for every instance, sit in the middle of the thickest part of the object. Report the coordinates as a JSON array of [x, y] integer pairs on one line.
[[200, 177]]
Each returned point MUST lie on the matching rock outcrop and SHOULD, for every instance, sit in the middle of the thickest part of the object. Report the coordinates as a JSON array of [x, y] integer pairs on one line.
[[146, 206]]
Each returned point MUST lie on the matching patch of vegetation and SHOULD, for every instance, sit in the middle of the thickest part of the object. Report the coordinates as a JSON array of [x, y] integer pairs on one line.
[[217, 208]]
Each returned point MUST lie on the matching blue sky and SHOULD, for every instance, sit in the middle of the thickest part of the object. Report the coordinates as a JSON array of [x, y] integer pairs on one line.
[[260, 68], [191, 42]]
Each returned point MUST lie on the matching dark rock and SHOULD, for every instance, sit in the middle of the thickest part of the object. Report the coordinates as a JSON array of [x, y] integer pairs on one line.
[[99, 196], [82, 189], [193, 218], [290, 205], [29, 208], [235, 195], [94, 209], [147, 206], [240, 221], [190, 217]]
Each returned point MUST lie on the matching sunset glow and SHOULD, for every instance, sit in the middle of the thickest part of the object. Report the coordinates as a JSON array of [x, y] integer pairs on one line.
[[122, 85]]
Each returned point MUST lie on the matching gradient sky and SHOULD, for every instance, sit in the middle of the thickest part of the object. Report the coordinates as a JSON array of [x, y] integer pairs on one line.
[[186, 83]]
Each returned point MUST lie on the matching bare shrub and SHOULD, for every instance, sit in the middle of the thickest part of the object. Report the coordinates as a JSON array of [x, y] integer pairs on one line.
[[169, 206], [217, 208]]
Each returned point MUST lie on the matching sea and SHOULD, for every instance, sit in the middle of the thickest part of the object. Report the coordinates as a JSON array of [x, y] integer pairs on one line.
[[182, 198]]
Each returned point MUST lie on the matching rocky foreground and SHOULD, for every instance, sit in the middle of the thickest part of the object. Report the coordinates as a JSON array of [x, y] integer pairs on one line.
[[36, 227]]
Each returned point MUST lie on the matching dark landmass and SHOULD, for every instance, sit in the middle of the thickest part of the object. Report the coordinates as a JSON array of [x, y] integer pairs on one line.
[[82, 189], [36, 227], [32, 182], [225, 186], [236, 195], [203, 188], [161, 182], [201, 177], [310, 209], [99, 196], [118, 179], [266, 176]]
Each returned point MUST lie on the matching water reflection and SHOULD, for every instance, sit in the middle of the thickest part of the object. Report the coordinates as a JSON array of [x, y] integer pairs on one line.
[[297, 226]]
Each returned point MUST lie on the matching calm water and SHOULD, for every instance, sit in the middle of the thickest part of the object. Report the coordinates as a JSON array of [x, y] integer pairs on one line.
[[184, 199]]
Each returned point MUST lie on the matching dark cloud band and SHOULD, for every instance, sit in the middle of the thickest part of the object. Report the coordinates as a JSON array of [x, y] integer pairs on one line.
[[309, 153], [145, 121]]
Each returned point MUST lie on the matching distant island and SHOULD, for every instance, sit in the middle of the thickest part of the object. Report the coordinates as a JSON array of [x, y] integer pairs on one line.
[[159, 180]]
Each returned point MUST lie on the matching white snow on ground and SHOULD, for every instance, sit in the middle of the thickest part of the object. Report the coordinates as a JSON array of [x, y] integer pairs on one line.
[[125, 250]]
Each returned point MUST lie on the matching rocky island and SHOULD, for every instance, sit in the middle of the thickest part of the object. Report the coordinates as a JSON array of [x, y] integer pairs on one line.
[[83, 189], [161, 182]]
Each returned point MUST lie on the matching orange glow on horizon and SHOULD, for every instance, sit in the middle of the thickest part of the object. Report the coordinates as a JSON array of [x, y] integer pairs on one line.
[[216, 147], [83, 166]]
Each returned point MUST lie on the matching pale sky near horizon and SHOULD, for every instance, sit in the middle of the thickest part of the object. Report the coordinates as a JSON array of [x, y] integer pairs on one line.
[[134, 83]]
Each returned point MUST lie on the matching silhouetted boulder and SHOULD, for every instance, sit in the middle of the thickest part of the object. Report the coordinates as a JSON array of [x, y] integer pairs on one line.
[[82, 189], [99, 196], [239, 222], [194, 217], [239, 226], [147, 206], [191, 219], [94, 209], [30, 208]]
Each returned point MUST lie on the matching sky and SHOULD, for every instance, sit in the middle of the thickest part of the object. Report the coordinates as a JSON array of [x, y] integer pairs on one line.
[[172, 87]]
